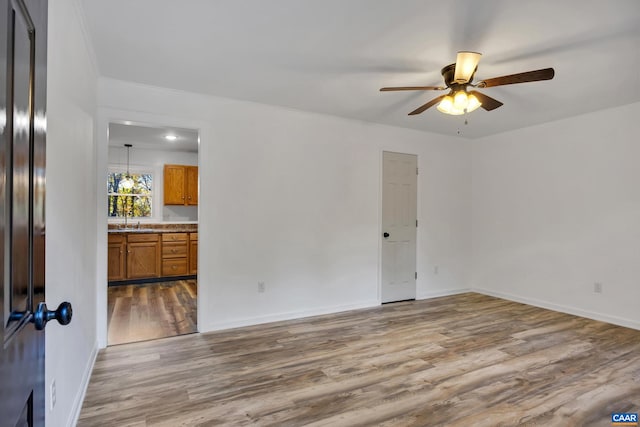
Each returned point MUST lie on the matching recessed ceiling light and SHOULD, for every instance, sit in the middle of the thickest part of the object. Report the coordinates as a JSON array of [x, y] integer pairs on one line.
[[170, 137]]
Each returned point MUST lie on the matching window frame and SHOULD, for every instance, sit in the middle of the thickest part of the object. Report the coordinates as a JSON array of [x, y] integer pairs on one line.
[[137, 170]]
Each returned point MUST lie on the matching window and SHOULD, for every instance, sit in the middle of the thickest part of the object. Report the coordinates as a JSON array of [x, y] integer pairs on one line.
[[134, 201]]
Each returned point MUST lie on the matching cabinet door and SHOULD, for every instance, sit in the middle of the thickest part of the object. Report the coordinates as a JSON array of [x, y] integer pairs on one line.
[[192, 185], [193, 254], [116, 249], [174, 185], [143, 256]]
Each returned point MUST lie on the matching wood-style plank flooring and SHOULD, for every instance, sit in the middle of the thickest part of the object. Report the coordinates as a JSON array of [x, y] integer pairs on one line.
[[151, 311], [464, 360]]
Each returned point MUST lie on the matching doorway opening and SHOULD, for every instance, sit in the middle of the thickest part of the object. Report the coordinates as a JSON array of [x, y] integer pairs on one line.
[[152, 202]]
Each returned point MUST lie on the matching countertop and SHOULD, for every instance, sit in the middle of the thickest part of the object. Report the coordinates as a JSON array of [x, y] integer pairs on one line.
[[153, 228]]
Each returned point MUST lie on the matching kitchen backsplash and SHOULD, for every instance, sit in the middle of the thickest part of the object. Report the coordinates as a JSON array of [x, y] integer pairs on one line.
[[179, 213]]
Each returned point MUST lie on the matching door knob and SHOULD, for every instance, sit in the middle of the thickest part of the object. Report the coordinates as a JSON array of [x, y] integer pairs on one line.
[[385, 235], [62, 314]]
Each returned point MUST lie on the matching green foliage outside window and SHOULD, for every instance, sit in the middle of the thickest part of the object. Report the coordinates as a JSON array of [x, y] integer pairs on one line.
[[134, 201]]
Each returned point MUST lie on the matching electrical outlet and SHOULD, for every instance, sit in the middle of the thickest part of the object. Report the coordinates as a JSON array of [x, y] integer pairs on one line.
[[597, 287], [261, 287], [52, 394]]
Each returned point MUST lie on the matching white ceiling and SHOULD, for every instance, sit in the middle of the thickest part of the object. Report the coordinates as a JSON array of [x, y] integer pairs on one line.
[[332, 56], [142, 136]]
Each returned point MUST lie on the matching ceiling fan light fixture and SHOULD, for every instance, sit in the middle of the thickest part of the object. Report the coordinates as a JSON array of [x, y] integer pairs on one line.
[[460, 100], [473, 103], [446, 106], [466, 64]]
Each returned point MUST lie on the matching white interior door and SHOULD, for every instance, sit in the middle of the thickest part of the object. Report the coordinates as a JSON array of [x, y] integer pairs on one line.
[[399, 222]]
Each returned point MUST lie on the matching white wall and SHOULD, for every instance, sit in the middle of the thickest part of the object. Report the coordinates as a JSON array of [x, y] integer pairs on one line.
[[556, 208], [70, 212], [293, 199], [145, 159]]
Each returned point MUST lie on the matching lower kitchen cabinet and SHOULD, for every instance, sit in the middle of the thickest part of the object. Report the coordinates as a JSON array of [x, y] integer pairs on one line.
[[116, 255], [143, 256], [193, 253], [137, 255], [175, 251]]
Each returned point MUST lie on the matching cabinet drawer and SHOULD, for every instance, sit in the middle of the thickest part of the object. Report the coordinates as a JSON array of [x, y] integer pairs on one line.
[[116, 238], [142, 237], [175, 237], [174, 267], [193, 236], [174, 250]]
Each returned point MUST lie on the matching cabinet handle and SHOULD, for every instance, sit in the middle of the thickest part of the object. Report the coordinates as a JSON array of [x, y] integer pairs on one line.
[[173, 267], [173, 251]]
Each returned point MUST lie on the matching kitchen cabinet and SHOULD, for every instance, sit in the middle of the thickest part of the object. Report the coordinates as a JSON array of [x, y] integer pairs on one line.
[[192, 185], [143, 255], [116, 257], [135, 255], [193, 253], [180, 185], [175, 254]]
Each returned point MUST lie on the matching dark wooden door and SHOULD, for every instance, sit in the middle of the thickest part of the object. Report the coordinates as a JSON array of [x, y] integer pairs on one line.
[[23, 43]]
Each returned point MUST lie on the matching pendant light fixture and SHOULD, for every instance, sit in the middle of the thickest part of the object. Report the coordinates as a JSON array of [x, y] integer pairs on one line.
[[127, 182]]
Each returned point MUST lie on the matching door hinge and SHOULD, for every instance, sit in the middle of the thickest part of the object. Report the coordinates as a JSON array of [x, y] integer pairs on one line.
[[416, 275], [416, 171], [416, 222]]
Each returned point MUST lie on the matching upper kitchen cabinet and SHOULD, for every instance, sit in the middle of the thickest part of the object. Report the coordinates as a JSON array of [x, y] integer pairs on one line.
[[180, 185]]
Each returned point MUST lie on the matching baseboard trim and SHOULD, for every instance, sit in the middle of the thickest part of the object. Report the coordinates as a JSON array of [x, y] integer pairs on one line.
[[615, 320], [250, 321], [74, 415], [151, 280], [442, 293]]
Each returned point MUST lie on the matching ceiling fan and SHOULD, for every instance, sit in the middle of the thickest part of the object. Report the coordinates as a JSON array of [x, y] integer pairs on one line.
[[458, 78]]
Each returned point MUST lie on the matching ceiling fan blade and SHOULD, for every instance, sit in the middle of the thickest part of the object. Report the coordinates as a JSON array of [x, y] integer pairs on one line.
[[390, 89], [488, 103], [429, 104], [466, 64], [528, 76]]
